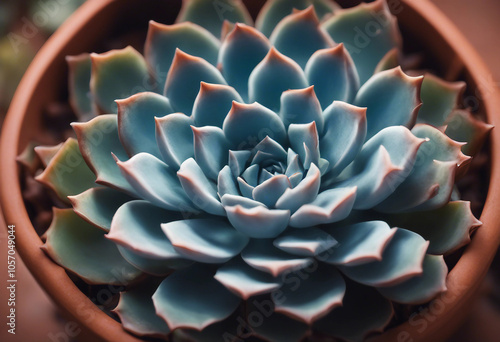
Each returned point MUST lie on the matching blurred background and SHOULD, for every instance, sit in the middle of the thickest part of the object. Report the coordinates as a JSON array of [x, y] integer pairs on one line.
[[38, 319]]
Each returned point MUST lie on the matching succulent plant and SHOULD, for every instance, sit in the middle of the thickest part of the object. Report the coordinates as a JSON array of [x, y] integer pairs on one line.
[[278, 181]]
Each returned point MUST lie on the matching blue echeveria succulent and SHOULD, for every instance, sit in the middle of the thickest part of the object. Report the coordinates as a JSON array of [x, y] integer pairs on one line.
[[276, 182]]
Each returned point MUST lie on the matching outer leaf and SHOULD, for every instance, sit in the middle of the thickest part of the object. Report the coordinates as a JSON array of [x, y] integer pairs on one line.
[[174, 136], [241, 51], [66, 166], [163, 40], [211, 15], [274, 11], [447, 228], [368, 31], [420, 289], [80, 70], [392, 98], [118, 74], [137, 312], [258, 222], [183, 303], [80, 247], [439, 99], [98, 205], [299, 35], [363, 311], [305, 242], [462, 126], [100, 144]]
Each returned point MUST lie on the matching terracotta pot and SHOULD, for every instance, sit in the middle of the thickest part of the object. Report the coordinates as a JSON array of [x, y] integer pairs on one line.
[[98, 20]]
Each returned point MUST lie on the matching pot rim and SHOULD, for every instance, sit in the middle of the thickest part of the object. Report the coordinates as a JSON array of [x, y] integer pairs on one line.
[[462, 281]]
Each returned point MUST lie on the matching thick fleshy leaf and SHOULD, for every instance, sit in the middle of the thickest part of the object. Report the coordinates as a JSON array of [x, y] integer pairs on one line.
[[228, 329], [80, 69], [183, 303], [344, 135], [274, 11], [263, 256], [226, 183], [118, 74], [213, 104], [299, 35], [241, 51], [100, 146], [137, 312], [247, 124], [99, 205], [304, 140], [430, 183], [271, 77], [420, 289], [305, 242], [201, 191], [269, 191], [245, 189], [174, 137], [66, 166], [447, 228], [211, 15], [392, 98], [382, 165], [156, 182], [439, 99], [358, 243], [163, 40], [401, 260], [211, 150], [311, 298], [137, 226], [245, 281], [330, 206], [301, 106], [46, 153], [462, 126], [184, 77], [258, 222], [305, 192], [238, 160], [81, 248], [210, 241], [363, 311], [136, 124], [368, 31], [333, 74]]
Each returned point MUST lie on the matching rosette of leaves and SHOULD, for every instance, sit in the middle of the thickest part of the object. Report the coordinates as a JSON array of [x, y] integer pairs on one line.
[[261, 180]]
